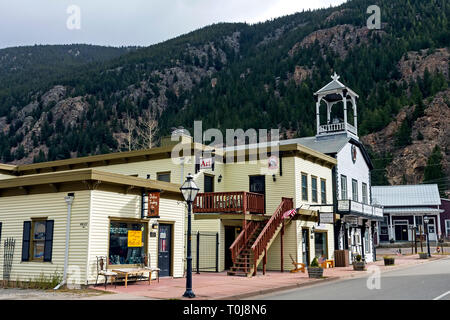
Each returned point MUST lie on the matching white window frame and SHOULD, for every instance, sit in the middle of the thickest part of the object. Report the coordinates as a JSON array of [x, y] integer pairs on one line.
[[365, 199], [447, 227], [355, 191], [344, 190]]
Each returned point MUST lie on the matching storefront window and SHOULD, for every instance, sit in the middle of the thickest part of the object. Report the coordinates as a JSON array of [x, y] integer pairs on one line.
[[320, 243], [126, 243]]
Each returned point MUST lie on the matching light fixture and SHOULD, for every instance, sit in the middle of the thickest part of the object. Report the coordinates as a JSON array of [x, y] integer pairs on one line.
[[189, 189], [219, 179], [274, 178]]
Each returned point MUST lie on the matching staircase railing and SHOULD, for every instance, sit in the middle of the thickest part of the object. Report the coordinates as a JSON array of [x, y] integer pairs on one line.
[[241, 240], [269, 230]]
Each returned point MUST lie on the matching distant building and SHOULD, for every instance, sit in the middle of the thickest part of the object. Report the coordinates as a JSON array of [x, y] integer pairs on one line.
[[404, 209], [445, 218]]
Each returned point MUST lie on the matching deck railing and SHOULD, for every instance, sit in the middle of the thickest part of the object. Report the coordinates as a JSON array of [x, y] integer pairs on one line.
[[229, 202], [241, 241]]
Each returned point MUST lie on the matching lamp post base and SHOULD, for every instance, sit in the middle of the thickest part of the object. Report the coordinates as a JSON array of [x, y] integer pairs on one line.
[[189, 294]]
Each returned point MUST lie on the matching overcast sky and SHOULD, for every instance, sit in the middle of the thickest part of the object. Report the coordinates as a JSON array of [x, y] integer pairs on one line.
[[130, 22]]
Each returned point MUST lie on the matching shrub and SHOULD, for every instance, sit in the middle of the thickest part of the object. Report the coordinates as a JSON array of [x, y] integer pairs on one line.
[[314, 263]]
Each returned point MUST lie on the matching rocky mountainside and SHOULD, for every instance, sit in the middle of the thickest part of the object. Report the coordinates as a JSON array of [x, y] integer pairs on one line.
[[235, 75]]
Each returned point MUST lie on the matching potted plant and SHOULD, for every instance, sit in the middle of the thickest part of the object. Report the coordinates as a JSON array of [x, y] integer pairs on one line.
[[423, 255], [314, 270], [389, 260], [359, 264]]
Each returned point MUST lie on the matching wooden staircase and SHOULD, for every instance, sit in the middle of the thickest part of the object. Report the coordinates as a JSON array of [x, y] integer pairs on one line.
[[243, 259], [250, 247]]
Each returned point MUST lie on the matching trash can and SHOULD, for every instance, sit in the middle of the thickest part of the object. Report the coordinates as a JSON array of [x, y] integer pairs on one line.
[[341, 258]]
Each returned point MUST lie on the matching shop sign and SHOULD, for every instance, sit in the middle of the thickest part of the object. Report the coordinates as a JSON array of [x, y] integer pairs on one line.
[[326, 217], [153, 204], [206, 163], [134, 238], [273, 163]]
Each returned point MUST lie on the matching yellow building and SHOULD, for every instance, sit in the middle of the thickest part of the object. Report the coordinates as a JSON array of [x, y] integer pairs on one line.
[[237, 200]]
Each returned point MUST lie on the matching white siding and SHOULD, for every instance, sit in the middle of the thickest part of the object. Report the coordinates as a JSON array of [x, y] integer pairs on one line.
[[15, 210], [108, 204]]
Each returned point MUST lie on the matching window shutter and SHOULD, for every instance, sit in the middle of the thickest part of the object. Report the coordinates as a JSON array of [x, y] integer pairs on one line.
[[48, 240], [26, 240], [0, 233]]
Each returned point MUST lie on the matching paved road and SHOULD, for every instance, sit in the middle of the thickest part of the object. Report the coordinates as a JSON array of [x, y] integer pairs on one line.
[[426, 281]]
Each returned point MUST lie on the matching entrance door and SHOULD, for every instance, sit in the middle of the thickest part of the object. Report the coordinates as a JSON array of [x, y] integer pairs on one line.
[[401, 232], [432, 229], [320, 244], [258, 185], [208, 183], [305, 246], [230, 236], [165, 250]]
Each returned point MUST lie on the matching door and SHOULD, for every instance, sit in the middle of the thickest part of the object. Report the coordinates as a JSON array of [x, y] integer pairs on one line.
[[401, 230], [258, 185], [432, 229], [208, 183], [320, 244], [230, 236], [165, 250], [305, 246]]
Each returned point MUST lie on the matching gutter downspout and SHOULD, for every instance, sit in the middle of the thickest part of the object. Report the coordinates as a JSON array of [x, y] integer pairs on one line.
[[69, 200]]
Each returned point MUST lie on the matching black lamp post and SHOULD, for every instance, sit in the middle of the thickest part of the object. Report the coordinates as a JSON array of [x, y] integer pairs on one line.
[[426, 220], [189, 190]]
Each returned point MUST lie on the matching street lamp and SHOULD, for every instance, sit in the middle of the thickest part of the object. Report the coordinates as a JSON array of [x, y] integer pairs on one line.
[[426, 220], [189, 190]]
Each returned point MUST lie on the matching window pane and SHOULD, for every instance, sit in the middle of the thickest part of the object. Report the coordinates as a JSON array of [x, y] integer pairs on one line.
[[39, 230], [344, 187], [163, 177], [354, 190], [323, 191], [38, 249], [314, 189], [119, 251], [304, 187]]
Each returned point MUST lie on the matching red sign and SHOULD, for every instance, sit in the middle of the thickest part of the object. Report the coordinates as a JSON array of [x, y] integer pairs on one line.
[[205, 163], [153, 204]]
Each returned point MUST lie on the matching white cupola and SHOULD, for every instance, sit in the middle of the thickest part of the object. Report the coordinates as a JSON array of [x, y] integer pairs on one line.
[[336, 93]]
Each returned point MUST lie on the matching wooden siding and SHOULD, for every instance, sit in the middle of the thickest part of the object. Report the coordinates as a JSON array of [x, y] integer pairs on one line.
[[107, 204], [15, 210]]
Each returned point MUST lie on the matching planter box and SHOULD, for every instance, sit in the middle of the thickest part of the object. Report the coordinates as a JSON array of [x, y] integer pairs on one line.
[[315, 272], [423, 255], [359, 265], [389, 261]]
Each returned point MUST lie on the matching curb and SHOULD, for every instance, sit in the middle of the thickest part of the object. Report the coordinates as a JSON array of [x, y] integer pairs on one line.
[[271, 290], [313, 283]]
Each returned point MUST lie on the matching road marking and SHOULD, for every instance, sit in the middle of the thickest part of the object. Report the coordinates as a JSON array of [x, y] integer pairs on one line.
[[442, 295]]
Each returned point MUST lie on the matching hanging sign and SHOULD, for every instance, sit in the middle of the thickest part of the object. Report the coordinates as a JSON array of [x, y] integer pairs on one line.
[[153, 204], [206, 163], [134, 238], [326, 217]]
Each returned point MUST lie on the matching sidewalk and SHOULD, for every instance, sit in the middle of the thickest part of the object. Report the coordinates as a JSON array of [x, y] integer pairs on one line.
[[219, 286]]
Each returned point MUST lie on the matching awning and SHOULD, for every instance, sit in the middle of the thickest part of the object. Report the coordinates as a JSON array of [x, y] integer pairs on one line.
[[412, 211]]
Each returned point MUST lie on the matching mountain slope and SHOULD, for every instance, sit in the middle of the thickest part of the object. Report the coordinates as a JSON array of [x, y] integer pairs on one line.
[[234, 75]]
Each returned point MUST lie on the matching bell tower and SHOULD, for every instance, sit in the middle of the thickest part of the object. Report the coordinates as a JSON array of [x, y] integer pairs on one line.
[[336, 94]]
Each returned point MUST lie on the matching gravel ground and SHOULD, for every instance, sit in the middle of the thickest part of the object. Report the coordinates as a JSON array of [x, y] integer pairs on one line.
[[33, 294]]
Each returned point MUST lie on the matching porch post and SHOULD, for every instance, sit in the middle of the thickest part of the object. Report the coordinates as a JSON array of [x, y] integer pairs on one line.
[[282, 253], [244, 211], [391, 233]]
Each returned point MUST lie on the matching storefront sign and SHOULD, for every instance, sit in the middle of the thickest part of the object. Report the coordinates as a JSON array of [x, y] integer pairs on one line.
[[326, 217], [134, 238], [352, 220], [206, 163], [273, 163], [153, 204]]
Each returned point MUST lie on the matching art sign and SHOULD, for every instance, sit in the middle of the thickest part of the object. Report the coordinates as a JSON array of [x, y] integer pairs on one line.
[[153, 204], [206, 163], [134, 238]]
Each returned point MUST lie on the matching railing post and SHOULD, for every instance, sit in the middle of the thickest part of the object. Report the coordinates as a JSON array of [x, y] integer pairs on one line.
[[217, 252], [264, 261], [198, 252]]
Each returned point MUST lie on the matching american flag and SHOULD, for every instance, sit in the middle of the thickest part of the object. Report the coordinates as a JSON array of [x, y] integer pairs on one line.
[[289, 213]]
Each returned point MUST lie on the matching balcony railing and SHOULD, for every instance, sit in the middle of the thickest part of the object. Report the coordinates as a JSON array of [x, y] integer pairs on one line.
[[336, 127], [355, 207], [229, 202]]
